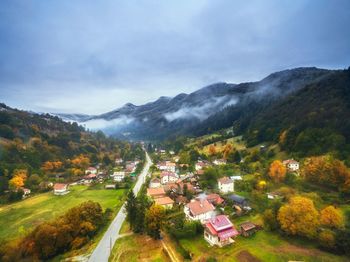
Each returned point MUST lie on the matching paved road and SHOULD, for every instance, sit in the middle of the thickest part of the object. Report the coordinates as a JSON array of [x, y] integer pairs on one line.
[[102, 251]]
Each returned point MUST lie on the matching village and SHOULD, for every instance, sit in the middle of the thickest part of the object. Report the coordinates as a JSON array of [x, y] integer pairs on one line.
[[214, 208]]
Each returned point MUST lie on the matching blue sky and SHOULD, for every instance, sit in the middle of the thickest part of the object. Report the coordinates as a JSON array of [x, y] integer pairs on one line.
[[94, 56]]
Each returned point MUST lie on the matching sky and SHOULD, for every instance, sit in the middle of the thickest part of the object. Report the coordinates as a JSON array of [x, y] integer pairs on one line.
[[91, 57]]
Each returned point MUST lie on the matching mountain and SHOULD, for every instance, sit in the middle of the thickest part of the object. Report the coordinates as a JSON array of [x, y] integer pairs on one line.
[[203, 110]]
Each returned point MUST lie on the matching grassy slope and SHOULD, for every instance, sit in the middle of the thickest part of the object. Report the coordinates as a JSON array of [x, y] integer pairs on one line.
[[265, 246], [17, 218], [137, 248]]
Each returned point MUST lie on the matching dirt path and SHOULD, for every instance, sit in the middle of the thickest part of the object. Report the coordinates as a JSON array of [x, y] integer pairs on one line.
[[166, 242]]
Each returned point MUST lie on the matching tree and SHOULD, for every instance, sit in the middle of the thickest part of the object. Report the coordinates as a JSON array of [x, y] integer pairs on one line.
[[331, 217], [16, 182], [299, 217], [131, 209], [327, 239], [154, 220], [212, 150], [327, 171], [277, 171]]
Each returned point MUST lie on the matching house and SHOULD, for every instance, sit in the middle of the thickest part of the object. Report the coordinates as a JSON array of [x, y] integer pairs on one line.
[[219, 162], [215, 199], [201, 165], [176, 159], [200, 172], [248, 229], [118, 176], [240, 201], [234, 178], [200, 210], [26, 192], [165, 202], [225, 185], [155, 192], [181, 200], [171, 152], [273, 195], [60, 189], [167, 166], [168, 177], [155, 182], [130, 167], [91, 170], [109, 186], [219, 231], [291, 164], [119, 161]]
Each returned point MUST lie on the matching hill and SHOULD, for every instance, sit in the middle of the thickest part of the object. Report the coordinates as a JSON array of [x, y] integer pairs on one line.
[[37, 149], [193, 114]]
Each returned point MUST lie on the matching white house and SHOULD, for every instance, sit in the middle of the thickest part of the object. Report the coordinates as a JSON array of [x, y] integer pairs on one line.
[[118, 176], [200, 210], [291, 164], [60, 189], [167, 166], [219, 162], [201, 164], [154, 183], [225, 185], [118, 161], [219, 231], [91, 170], [168, 177]]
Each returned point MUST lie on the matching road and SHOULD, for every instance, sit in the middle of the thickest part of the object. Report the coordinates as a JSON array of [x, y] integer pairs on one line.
[[103, 249]]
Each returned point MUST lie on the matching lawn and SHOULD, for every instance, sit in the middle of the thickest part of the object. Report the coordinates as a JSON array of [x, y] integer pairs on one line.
[[16, 219], [138, 248], [263, 246]]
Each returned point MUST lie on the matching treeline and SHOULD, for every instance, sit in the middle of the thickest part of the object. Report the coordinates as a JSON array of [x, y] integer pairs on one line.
[[68, 232]]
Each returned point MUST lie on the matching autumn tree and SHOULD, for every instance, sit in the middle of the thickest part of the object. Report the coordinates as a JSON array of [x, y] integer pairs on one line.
[[81, 161], [327, 239], [299, 217], [154, 220], [18, 179], [277, 171], [212, 150], [327, 171], [331, 217], [227, 150]]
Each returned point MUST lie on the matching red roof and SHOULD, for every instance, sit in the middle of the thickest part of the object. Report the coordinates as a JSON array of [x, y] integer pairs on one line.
[[225, 180], [155, 192], [163, 174], [198, 207], [222, 227], [163, 201], [59, 186], [215, 198]]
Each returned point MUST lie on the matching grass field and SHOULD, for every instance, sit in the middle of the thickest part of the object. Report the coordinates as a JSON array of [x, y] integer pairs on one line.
[[138, 248], [16, 219], [263, 246]]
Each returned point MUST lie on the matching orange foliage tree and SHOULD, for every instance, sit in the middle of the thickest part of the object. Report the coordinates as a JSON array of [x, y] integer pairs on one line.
[[81, 161], [277, 171], [18, 179], [332, 217], [51, 165], [227, 150], [299, 217], [326, 170], [212, 150]]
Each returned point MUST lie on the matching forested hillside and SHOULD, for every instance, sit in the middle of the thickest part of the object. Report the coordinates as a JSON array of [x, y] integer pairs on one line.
[[36, 149], [312, 120]]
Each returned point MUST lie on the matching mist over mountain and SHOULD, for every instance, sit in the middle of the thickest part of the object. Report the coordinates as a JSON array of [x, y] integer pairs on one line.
[[196, 113]]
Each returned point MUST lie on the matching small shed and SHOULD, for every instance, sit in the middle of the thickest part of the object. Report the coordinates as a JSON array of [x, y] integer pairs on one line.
[[248, 229]]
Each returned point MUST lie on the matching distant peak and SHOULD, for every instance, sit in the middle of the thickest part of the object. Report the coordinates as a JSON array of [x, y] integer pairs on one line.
[[129, 105]]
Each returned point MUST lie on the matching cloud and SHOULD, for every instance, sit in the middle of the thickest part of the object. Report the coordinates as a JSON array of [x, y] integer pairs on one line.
[[57, 53], [203, 111], [108, 126]]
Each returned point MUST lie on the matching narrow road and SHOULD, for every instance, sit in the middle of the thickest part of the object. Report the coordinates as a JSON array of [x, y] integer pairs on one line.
[[103, 249]]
